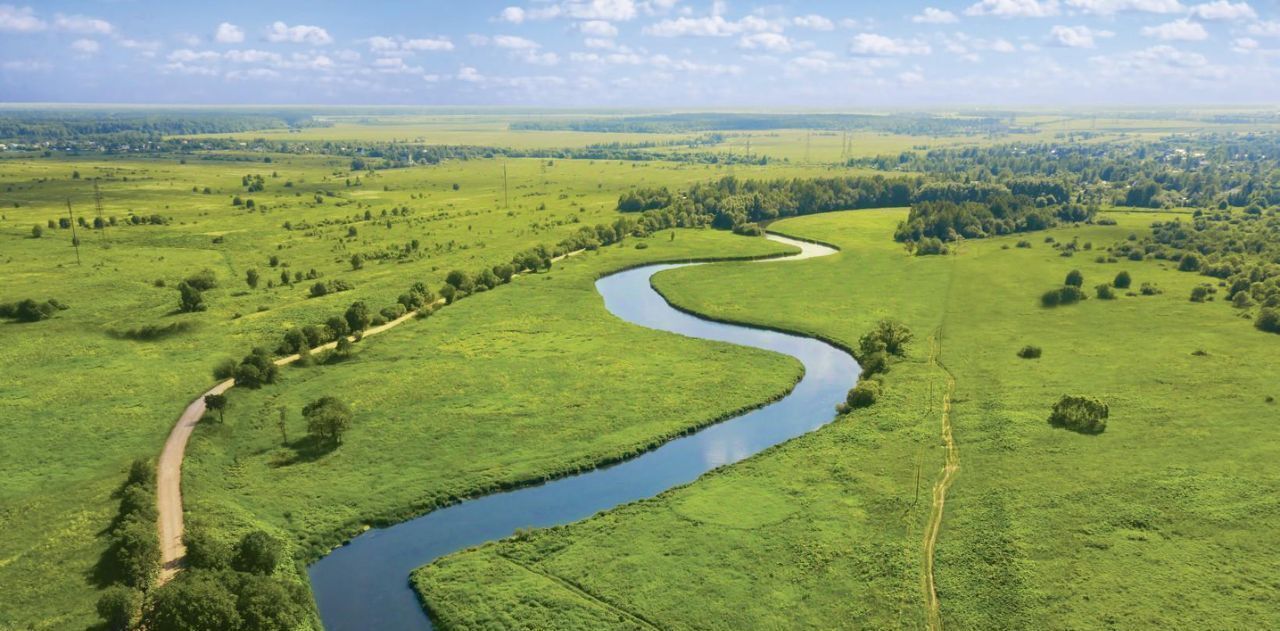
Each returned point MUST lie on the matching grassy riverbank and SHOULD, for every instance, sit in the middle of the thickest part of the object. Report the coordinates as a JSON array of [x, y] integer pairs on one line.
[[1043, 527]]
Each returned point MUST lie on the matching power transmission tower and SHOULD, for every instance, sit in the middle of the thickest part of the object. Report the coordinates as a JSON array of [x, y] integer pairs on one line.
[[75, 240]]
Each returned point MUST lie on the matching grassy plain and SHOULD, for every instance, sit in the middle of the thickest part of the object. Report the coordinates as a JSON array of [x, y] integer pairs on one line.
[[1158, 522], [80, 402]]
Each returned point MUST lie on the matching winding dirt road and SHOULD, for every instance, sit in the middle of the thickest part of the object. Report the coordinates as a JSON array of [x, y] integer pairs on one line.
[[949, 469]]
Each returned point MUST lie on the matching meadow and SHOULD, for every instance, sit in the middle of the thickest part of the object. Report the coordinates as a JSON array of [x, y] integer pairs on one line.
[[1043, 527]]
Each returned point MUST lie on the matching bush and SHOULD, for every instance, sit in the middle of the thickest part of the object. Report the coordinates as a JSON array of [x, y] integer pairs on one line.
[[930, 246], [190, 300], [863, 395], [357, 316], [1029, 352], [31, 311], [256, 370], [1105, 292], [1189, 263], [1122, 281], [1067, 295], [257, 553], [118, 606], [1149, 289], [224, 369], [37, 231], [204, 551], [1268, 320], [204, 280], [135, 555], [1080, 414], [1199, 293], [888, 336], [194, 601], [1074, 279]]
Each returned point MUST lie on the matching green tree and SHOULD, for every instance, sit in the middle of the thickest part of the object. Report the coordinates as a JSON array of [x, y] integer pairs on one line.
[[863, 395], [257, 553], [251, 277], [217, 403], [357, 316], [118, 606], [357, 261], [136, 553], [37, 231], [1122, 281], [204, 551], [267, 604], [328, 419], [190, 298], [1268, 320], [195, 600]]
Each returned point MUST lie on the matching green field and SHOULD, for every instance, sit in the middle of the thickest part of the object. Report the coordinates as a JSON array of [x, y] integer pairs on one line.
[[1043, 528]]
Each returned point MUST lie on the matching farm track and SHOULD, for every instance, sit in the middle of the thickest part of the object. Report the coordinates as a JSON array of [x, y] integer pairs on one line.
[[951, 466]]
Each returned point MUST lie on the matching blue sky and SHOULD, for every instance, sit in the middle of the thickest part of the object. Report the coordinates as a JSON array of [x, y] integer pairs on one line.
[[619, 53]]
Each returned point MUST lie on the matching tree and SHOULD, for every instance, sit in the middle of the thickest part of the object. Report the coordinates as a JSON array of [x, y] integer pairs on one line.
[[460, 280], [327, 419], [1122, 281], [195, 600], [267, 604], [357, 261], [1074, 279], [863, 395], [1199, 293], [118, 606], [1189, 263], [37, 231], [504, 272], [1105, 292], [257, 553], [449, 293], [216, 402], [256, 370], [190, 300], [204, 551], [889, 336], [357, 316], [136, 553], [251, 277]]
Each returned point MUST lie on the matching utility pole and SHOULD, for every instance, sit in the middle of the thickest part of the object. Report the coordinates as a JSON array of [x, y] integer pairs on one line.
[[75, 240], [97, 203]]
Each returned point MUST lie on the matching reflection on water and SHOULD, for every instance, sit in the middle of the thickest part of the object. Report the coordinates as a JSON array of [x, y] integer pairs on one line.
[[364, 585]]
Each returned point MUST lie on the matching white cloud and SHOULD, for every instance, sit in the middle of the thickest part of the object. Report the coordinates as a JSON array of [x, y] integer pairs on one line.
[[1182, 29], [931, 15], [1244, 44], [398, 45], [86, 46], [711, 26], [1014, 8], [1076, 36], [470, 75], [26, 65], [814, 21], [596, 42], [875, 45], [1224, 10], [1269, 28], [228, 33], [512, 42], [20, 19], [772, 42], [1112, 7], [1161, 61], [611, 10], [598, 28], [910, 77], [82, 24], [514, 15], [252, 56], [185, 55], [300, 34], [428, 44], [147, 48]]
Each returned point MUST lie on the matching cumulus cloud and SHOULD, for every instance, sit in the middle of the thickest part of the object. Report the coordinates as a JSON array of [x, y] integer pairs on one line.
[[875, 45], [1112, 7], [1161, 61], [397, 44], [772, 42], [931, 15], [514, 15], [86, 46], [1269, 28], [1076, 36], [300, 34], [1014, 8], [598, 28], [714, 25], [1224, 10], [814, 21], [20, 19], [82, 24], [228, 33], [1183, 29]]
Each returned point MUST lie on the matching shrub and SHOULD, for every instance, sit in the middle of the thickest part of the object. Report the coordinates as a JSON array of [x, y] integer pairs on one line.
[[1199, 293], [1029, 352], [863, 395], [875, 363], [136, 553], [1122, 281], [118, 606], [930, 246], [204, 280], [460, 281], [1268, 320], [37, 231], [196, 601], [1149, 289], [1074, 279], [204, 551], [1024, 244], [257, 553], [190, 300], [888, 336], [256, 370], [357, 316], [31, 311], [1105, 292], [1067, 295], [1080, 414], [1189, 263], [224, 369]]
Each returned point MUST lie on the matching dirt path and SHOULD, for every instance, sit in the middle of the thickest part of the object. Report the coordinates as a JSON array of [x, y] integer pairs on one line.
[[949, 469], [169, 466]]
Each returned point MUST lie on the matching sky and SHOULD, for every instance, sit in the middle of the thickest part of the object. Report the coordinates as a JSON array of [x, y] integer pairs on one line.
[[816, 54]]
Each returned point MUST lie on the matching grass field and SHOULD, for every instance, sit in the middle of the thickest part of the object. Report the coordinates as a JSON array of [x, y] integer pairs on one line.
[[81, 402], [1043, 528]]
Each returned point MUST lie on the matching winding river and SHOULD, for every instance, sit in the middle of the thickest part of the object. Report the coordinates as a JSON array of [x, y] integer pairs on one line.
[[364, 585]]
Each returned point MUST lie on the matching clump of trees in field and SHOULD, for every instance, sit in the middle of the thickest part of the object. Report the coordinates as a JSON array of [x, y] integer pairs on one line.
[[132, 561], [256, 369], [30, 310], [1065, 295], [876, 350], [328, 420], [227, 587], [1080, 414]]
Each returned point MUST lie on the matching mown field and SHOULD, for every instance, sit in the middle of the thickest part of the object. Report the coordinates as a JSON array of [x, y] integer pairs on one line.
[[1160, 521], [82, 398]]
